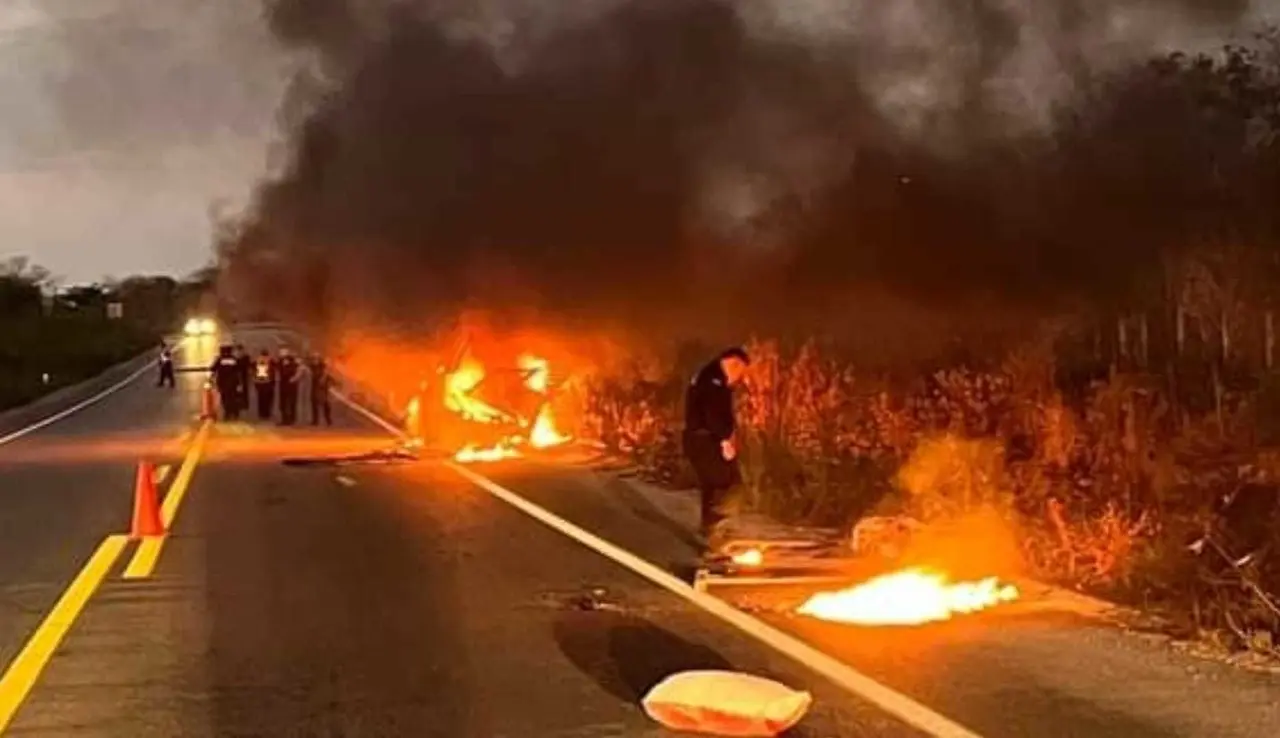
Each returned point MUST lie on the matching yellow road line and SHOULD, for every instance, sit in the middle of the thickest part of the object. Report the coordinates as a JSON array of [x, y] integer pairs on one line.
[[145, 557], [17, 682]]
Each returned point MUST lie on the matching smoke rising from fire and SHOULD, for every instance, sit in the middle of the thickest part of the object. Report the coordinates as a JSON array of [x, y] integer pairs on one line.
[[644, 161]]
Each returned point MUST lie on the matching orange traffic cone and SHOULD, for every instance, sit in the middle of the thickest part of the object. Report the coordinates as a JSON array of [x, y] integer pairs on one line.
[[208, 408], [146, 504]]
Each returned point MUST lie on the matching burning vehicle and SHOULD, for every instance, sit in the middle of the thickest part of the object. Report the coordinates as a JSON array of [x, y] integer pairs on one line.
[[484, 413]]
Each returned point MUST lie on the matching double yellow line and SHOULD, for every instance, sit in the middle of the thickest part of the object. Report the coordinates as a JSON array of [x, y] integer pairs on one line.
[[148, 551], [18, 681]]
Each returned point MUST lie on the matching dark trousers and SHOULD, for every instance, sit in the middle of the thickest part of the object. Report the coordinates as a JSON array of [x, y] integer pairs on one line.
[[717, 477], [229, 396], [266, 399], [167, 378], [288, 405], [711, 501], [320, 407]]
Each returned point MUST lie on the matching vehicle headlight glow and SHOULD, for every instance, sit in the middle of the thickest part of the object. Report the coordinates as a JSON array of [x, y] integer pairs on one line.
[[192, 327], [208, 327]]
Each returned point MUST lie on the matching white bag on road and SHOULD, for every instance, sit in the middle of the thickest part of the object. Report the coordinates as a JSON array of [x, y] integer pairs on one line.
[[725, 703]]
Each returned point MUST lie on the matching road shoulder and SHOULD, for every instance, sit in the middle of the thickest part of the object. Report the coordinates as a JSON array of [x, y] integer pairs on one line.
[[1033, 668], [60, 400]]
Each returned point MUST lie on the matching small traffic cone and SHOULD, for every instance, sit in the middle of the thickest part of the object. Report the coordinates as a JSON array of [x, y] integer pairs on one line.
[[146, 504], [208, 406]]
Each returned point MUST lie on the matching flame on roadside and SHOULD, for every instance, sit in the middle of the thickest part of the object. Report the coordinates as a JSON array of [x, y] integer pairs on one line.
[[459, 390], [908, 597]]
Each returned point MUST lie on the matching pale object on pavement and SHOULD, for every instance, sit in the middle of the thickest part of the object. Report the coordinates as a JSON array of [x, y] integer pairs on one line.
[[725, 703]]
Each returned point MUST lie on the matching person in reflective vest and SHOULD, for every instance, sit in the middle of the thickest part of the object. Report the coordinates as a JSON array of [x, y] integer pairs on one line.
[[226, 377], [166, 366], [288, 370], [264, 384]]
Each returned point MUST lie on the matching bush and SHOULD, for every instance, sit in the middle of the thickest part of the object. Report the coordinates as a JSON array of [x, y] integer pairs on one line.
[[69, 348]]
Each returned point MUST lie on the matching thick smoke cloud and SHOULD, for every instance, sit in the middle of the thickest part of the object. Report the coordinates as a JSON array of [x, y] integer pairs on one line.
[[648, 160]]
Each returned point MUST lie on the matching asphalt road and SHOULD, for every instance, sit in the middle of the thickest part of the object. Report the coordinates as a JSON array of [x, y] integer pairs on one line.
[[405, 600], [65, 486]]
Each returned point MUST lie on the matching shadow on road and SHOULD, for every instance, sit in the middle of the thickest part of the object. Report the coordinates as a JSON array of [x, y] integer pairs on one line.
[[627, 655], [648, 511]]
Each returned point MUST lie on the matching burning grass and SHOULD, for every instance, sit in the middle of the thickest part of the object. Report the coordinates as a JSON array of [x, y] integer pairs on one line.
[[1098, 484], [1097, 478]]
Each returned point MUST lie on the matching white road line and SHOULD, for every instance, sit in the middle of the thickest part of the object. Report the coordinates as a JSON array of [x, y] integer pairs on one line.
[[899, 705], [78, 406], [397, 432]]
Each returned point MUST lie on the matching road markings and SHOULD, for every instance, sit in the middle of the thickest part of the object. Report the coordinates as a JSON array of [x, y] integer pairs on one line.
[[895, 703], [18, 681], [86, 403], [78, 406], [147, 554], [162, 473], [345, 481], [377, 419]]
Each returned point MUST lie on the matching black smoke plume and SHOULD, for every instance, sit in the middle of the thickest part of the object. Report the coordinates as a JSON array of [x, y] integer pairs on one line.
[[716, 165]]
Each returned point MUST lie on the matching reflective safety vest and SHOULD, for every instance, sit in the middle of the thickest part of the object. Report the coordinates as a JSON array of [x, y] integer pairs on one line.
[[262, 371]]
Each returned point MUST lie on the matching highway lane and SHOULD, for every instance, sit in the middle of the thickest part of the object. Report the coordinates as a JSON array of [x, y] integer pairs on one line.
[[406, 601], [1031, 669], [65, 486], [383, 601]]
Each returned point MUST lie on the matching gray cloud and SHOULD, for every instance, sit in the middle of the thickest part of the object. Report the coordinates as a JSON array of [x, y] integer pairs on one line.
[[121, 119]]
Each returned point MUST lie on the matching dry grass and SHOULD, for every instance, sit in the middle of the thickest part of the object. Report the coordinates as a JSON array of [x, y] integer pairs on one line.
[[1103, 490]]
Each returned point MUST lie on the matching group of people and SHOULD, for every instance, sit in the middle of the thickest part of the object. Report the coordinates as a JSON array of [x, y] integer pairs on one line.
[[709, 416], [236, 375]]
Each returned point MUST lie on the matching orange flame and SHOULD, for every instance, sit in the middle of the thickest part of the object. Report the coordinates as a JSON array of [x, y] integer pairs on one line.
[[543, 434], [458, 389], [459, 397], [908, 597]]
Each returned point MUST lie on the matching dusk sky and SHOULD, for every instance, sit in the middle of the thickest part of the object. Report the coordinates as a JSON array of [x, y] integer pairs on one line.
[[122, 121]]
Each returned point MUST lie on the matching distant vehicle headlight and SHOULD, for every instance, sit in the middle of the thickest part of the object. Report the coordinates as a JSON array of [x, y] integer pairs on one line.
[[193, 327], [208, 326]]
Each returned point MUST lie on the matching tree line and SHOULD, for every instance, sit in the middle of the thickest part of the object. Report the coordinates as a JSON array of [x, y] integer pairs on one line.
[[53, 335]]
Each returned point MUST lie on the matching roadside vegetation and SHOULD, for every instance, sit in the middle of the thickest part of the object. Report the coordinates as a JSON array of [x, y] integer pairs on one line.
[[1071, 324], [1111, 437], [51, 337]]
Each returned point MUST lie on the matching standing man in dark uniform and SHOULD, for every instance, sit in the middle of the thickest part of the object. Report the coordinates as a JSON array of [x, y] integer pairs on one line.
[[264, 384], [709, 427], [321, 380], [288, 369], [245, 363], [166, 366], [226, 377]]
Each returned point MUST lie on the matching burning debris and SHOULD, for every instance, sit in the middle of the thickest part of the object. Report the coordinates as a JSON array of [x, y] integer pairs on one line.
[[908, 597], [908, 573], [384, 456]]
